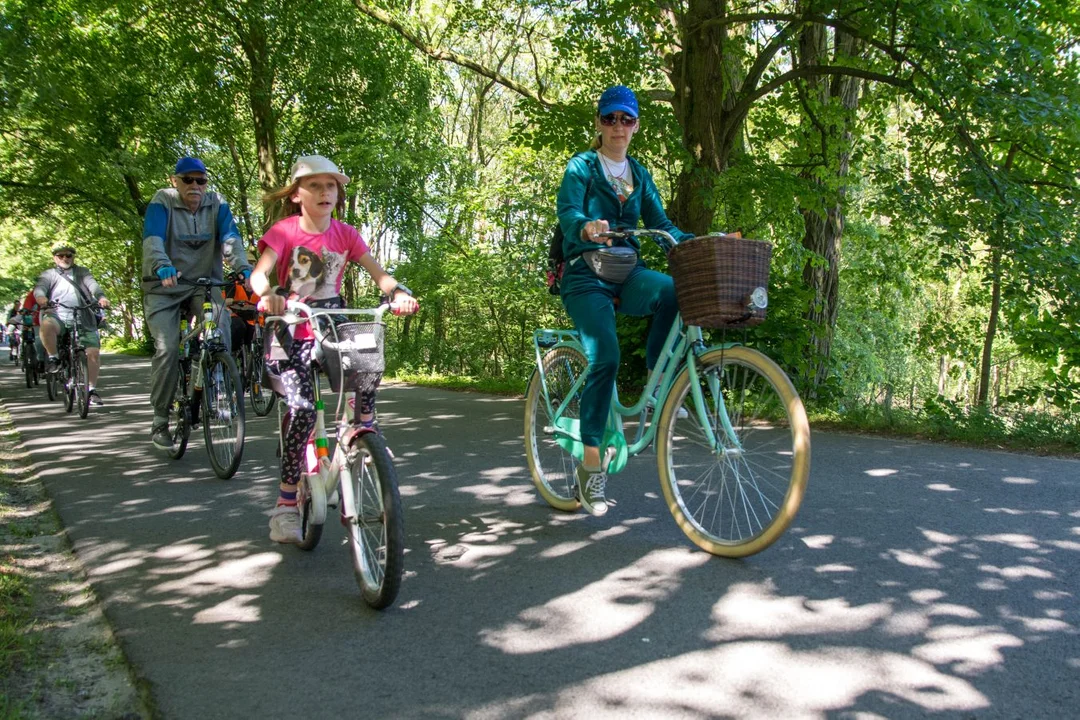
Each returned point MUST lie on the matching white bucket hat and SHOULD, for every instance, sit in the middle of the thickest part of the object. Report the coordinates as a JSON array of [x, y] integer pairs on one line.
[[316, 165]]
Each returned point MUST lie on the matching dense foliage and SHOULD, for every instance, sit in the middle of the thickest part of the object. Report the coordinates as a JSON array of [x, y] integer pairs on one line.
[[914, 164]]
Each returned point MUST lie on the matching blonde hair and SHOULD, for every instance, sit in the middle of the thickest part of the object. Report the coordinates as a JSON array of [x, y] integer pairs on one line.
[[279, 203]]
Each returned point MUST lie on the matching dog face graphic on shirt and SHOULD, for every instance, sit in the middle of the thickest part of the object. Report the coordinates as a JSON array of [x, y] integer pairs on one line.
[[307, 272]]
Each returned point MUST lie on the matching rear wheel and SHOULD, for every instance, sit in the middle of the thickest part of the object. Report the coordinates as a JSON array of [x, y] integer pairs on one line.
[[376, 527], [550, 465], [263, 397], [735, 498], [223, 414]]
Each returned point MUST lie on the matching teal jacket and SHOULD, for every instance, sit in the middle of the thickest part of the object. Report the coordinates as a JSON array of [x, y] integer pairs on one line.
[[576, 207]]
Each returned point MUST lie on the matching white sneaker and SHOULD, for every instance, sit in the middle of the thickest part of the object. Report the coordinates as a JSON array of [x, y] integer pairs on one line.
[[285, 525]]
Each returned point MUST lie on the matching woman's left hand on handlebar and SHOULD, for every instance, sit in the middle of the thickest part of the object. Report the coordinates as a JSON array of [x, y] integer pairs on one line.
[[272, 304]]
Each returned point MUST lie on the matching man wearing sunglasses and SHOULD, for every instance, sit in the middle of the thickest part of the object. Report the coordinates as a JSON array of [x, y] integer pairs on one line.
[[68, 285], [188, 232]]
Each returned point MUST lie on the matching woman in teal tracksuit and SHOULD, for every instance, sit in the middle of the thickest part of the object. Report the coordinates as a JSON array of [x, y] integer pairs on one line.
[[602, 189]]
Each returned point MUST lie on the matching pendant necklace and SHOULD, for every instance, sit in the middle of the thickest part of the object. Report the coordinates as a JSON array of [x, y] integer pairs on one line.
[[622, 186]]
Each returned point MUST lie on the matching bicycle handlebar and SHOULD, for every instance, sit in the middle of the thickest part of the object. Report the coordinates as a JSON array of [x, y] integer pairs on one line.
[[201, 282], [306, 313], [664, 239]]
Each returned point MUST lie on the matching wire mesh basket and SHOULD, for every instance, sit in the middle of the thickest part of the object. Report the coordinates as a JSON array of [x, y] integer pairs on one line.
[[721, 281], [359, 352]]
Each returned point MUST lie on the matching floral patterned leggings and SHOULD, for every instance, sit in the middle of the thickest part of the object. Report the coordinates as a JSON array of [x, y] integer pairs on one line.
[[299, 420]]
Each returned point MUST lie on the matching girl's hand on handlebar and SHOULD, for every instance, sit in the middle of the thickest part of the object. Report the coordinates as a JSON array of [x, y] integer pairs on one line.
[[592, 232], [272, 304], [406, 306]]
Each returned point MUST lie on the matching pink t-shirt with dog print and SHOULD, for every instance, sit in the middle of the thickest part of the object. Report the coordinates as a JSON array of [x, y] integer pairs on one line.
[[312, 266]]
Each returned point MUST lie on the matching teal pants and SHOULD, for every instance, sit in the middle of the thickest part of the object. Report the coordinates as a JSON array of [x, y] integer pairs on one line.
[[590, 302]]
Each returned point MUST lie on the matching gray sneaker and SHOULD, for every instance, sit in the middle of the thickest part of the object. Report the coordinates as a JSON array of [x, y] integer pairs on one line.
[[161, 438], [590, 490]]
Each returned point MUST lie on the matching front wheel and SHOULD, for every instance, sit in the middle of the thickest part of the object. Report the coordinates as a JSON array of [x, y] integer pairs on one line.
[[179, 414], [736, 497], [81, 380], [223, 414], [67, 381], [52, 385], [375, 523], [550, 465]]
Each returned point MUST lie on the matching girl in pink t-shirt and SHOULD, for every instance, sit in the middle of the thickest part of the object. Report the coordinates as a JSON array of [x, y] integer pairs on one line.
[[309, 250]]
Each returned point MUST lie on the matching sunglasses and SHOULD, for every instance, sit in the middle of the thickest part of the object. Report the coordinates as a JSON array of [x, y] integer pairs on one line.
[[198, 181], [612, 118], [65, 256]]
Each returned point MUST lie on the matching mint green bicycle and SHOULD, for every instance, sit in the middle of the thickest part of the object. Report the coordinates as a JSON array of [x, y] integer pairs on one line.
[[732, 438]]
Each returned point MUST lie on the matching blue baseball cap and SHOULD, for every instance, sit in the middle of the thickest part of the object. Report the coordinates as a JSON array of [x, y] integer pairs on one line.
[[618, 98], [189, 164]]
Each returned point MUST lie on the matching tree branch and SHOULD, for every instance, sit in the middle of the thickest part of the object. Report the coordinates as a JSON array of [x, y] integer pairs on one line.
[[70, 190], [447, 55]]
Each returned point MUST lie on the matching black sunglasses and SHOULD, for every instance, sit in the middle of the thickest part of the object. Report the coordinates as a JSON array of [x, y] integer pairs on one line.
[[612, 118], [198, 181], [66, 256]]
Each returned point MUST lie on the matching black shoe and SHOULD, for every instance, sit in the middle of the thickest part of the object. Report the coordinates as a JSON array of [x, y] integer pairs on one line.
[[94, 398], [52, 365], [161, 438]]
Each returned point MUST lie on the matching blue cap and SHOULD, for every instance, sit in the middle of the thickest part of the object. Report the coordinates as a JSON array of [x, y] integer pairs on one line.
[[616, 98], [189, 164]]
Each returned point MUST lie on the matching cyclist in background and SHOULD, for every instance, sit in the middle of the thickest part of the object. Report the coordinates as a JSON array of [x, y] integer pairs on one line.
[[68, 285], [603, 189], [188, 231], [13, 326]]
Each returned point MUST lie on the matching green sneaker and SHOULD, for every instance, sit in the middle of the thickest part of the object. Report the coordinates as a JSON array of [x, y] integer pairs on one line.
[[590, 490]]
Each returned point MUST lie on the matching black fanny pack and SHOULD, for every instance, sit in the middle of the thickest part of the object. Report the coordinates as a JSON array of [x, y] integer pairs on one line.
[[613, 264]]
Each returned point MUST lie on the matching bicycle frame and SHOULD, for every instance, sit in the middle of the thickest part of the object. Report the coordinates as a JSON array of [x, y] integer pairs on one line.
[[332, 472], [683, 345]]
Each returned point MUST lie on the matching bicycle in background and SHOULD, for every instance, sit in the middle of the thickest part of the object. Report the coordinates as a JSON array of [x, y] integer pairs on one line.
[[72, 376], [27, 357], [732, 438], [248, 354], [359, 476], [206, 365]]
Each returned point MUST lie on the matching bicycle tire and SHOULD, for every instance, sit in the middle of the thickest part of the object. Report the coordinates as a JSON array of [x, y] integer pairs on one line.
[[263, 398], [67, 377], [82, 383], [738, 502], [50, 385], [550, 466], [179, 416], [223, 414], [310, 532], [376, 528], [30, 368]]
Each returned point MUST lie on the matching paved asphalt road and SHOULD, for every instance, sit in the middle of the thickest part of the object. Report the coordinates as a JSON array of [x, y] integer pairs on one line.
[[917, 580]]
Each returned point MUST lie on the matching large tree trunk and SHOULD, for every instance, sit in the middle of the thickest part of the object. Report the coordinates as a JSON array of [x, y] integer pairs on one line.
[[707, 76], [824, 225], [261, 100], [242, 187]]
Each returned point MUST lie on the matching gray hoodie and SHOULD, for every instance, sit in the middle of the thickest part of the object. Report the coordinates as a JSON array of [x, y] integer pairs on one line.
[[192, 242]]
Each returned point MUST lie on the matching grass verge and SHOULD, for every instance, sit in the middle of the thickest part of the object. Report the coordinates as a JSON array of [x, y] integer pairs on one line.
[[58, 655]]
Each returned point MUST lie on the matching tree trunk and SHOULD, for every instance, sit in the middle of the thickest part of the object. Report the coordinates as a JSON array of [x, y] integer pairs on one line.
[[995, 298], [824, 225], [260, 97], [241, 184], [707, 76]]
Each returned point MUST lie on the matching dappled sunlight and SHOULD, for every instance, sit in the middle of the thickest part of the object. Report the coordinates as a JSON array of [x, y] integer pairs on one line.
[[967, 649], [881, 472], [616, 603], [751, 610]]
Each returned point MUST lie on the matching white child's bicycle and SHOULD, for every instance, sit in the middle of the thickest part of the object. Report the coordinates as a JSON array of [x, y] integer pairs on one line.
[[358, 477]]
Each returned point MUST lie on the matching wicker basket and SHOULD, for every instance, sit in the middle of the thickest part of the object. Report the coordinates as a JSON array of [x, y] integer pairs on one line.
[[363, 354], [715, 276]]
